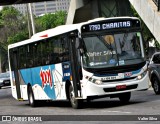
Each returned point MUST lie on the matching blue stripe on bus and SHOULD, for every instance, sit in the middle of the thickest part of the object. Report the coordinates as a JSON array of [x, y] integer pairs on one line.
[[34, 76]]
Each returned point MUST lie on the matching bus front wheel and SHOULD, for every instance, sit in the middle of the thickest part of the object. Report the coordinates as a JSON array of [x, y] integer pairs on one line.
[[125, 97], [75, 103], [32, 101], [156, 85]]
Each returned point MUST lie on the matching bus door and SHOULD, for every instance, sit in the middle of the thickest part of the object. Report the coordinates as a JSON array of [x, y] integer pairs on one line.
[[74, 64], [16, 74]]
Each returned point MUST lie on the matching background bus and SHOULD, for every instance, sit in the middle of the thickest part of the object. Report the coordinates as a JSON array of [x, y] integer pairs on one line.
[[99, 58]]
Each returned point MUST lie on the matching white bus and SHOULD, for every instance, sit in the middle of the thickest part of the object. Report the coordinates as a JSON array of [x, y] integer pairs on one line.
[[103, 57]]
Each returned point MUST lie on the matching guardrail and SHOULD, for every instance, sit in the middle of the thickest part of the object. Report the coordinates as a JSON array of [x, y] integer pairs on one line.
[[157, 2]]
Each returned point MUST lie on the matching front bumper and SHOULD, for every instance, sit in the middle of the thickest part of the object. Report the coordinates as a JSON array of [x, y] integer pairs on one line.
[[109, 88]]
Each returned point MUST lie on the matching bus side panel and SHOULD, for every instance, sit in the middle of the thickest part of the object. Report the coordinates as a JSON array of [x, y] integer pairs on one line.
[[26, 75], [23, 86], [48, 82], [41, 81], [23, 73], [43, 77], [28, 78], [59, 77], [13, 85]]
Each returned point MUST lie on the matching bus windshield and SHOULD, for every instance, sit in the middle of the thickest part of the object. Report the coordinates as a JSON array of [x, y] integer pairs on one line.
[[102, 51]]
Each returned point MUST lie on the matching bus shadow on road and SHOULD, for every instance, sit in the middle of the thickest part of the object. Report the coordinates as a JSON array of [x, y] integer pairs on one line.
[[52, 104], [138, 98], [6, 87], [86, 104], [109, 104]]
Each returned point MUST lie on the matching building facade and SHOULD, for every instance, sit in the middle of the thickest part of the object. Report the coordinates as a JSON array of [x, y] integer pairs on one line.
[[84, 10], [40, 8]]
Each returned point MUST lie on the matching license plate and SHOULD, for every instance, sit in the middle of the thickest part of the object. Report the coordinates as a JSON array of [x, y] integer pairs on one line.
[[118, 87], [7, 82]]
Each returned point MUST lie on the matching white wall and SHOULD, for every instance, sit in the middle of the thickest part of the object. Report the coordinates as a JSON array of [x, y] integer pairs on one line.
[[148, 12], [74, 5]]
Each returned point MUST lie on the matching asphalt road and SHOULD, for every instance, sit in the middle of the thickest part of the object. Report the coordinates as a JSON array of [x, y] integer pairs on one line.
[[142, 106]]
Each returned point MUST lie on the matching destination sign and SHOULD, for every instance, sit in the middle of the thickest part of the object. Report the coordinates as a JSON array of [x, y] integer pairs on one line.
[[104, 25]]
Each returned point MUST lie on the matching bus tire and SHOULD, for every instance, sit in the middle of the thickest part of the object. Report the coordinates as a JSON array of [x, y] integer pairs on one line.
[[32, 101], [125, 97], [75, 103], [156, 85]]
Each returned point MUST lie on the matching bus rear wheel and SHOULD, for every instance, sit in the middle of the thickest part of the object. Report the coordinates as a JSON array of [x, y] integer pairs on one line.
[[125, 97], [32, 101], [75, 103]]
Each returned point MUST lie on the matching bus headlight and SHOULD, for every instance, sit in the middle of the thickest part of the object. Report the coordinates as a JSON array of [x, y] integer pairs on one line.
[[96, 81], [1, 81], [139, 77]]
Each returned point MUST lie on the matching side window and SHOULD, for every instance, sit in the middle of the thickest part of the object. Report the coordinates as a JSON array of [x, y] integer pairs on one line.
[[30, 55], [47, 51], [55, 50], [34, 54], [64, 49], [51, 49], [11, 59], [43, 52], [156, 59], [22, 57], [37, 53]]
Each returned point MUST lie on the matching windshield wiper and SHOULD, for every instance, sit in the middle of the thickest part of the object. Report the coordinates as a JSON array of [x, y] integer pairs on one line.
[[124, 40]]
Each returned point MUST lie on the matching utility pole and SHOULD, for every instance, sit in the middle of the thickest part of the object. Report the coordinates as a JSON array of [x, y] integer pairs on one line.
[[0, 61], [28, 20], [32, 19]]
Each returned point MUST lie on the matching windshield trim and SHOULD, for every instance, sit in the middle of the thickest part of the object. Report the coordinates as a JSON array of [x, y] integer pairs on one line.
[[142, 55]]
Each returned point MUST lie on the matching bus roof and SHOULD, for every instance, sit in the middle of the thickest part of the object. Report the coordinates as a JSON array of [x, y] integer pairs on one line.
[[62, 29], [55, 31], [111, 18], [46, 34]]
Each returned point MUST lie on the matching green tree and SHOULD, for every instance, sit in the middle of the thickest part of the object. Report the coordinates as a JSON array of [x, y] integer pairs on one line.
[[60, 18], [18, 37], [11, 24], [50, 20], [14, 27]]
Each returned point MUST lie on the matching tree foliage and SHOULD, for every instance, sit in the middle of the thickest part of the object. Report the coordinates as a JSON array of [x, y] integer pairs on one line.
[[18, 37], [14, 27], [50, 20], [12, 23]]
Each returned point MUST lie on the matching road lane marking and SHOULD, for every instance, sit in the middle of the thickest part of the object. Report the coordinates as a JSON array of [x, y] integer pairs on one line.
[[119, 112]]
